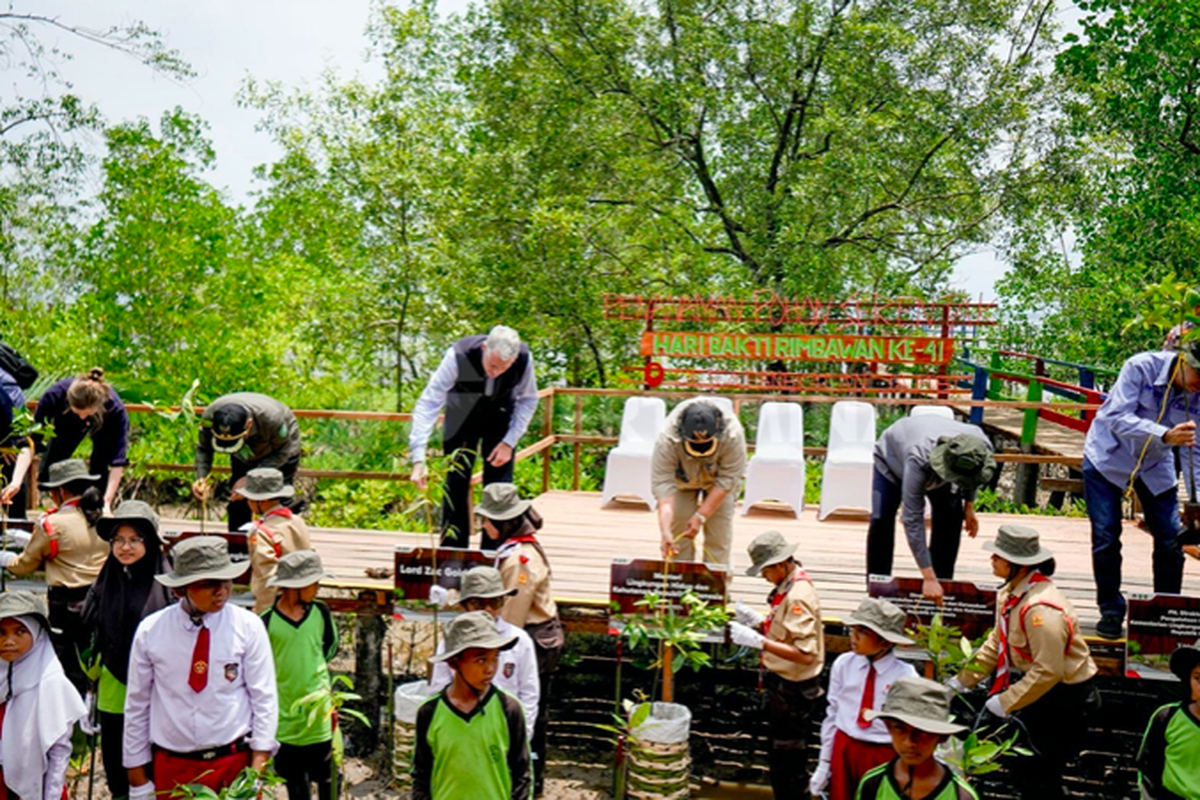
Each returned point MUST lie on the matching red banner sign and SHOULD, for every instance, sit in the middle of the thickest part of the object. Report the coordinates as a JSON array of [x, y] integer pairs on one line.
[[805, 347]]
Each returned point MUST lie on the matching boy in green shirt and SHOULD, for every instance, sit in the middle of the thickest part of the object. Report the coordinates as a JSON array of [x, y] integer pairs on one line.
[[1171, 745], [917, 714], [471, 740], [303, 641]]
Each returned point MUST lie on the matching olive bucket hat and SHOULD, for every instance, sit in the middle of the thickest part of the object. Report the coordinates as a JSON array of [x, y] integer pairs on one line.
[[265, 483], [24, 604], [964, 460], [483, 583], [473, 629], [64, 472], [501, 502], [298, 569], [884, 618], [134, 513], [201, 558], [1017, 544], [767, 549], [918, 702]]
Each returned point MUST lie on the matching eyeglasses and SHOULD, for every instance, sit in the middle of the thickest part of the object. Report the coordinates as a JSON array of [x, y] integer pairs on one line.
[[136, 541]]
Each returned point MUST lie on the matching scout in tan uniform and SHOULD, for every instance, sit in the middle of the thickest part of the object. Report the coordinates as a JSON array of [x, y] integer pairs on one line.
[[510, 524], [1036, 634], [277, 530], [696, 473], [66, 546], [793, 653]]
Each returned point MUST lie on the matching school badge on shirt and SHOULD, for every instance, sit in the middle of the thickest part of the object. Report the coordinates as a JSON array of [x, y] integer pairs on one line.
[[231, 672], [509, 669]]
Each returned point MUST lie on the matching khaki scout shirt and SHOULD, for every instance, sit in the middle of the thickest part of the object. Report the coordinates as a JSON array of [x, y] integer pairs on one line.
[[523, 567], [796, 621], [291, 534], [1044, 643], [673, 469], [81, 553]]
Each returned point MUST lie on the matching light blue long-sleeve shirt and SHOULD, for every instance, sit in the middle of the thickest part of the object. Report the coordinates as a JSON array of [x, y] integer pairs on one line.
[[1133, 418]]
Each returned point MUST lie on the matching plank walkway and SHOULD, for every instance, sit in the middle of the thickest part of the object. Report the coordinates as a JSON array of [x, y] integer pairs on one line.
[[581, 539], [1052, 439]]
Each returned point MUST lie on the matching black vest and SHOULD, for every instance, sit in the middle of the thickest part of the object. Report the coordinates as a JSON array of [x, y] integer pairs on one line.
[[468, 409]]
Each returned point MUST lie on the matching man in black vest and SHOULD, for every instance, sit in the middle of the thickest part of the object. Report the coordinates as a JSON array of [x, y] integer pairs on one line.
[[487, 387]]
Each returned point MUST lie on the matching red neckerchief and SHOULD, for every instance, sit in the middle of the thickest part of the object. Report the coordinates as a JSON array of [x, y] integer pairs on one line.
[[278, 511], [50, 530], [1003, 674]]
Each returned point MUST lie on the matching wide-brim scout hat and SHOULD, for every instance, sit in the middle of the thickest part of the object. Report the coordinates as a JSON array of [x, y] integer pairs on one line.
[[918, 702], [501, 502], [200, 558], [1184, 660], [134, 513], [964, 460], [265, 483], [298, 569], [482, 583], [767, 549], [64, 472], [700, 428], [475, 629], [884, 618], [230, 427], [24, 604], [1017, 544]]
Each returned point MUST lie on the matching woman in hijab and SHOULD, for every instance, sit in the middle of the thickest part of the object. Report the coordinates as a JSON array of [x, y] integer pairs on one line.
[[124, 594], [38, 705]]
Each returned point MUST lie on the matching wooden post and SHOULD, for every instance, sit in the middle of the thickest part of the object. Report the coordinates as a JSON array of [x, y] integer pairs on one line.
[[577, 446], [547, 430]]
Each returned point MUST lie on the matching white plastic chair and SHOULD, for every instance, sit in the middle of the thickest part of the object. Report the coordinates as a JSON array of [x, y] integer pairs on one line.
[[849, 461], [627, 470], [776, 471], [932, 411]]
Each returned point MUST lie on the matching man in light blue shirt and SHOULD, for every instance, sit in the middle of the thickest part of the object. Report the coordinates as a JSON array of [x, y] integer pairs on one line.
[[1150, 410]]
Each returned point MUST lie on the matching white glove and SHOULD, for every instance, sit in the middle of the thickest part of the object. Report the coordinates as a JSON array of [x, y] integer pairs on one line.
[[995, 707], [143, 792], [745, 636], [819, 779], [956, 685], [19, 538], [439, 595], [85, 724], [747, 615], [7, 557]]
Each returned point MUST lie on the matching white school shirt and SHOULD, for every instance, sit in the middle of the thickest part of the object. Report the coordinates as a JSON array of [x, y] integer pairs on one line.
[[239, 699], [516, 673], [847, 679]]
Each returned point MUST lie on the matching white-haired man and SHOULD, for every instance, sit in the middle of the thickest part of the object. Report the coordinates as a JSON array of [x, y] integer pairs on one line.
[[487, 387]]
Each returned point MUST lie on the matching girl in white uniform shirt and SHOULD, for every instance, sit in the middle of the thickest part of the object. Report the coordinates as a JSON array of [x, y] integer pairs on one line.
[[859, 680], [38, 705]]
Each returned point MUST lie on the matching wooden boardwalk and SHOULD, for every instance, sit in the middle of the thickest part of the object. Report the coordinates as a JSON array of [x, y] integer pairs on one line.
[[581, 539], [1052, 439]]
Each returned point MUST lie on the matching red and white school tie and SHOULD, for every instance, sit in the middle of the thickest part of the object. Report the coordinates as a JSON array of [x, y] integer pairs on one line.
[[198, 674]]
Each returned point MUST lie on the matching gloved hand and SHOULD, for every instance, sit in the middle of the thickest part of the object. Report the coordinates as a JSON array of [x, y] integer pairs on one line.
[[439, 595], [143, 792], [86, 725], [745, 636], [995, 707], [955, 684], [819, 779], [747, 615], [7, 557], [19, 538]]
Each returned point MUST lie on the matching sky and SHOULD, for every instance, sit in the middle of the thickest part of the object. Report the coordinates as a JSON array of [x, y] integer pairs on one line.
[[226, 41]]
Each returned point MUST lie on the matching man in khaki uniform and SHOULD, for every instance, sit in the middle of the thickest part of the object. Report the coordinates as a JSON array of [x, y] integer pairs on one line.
[[698, 465], [1036, 634], [277, 530], [792, 641]]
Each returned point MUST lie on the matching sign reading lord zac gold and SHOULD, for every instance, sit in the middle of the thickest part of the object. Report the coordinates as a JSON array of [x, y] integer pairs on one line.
[[800, 347]]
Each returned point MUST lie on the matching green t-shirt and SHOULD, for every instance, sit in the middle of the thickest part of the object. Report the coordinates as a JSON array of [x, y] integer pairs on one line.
[[483, 755], [302, 653], [880, 784], [1169, 753], [110, 693]]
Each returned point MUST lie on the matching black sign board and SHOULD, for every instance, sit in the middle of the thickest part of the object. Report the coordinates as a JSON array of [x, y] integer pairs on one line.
[[1158, 624], [418, 568], [631, 579], [239, 547], [966, 606]]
